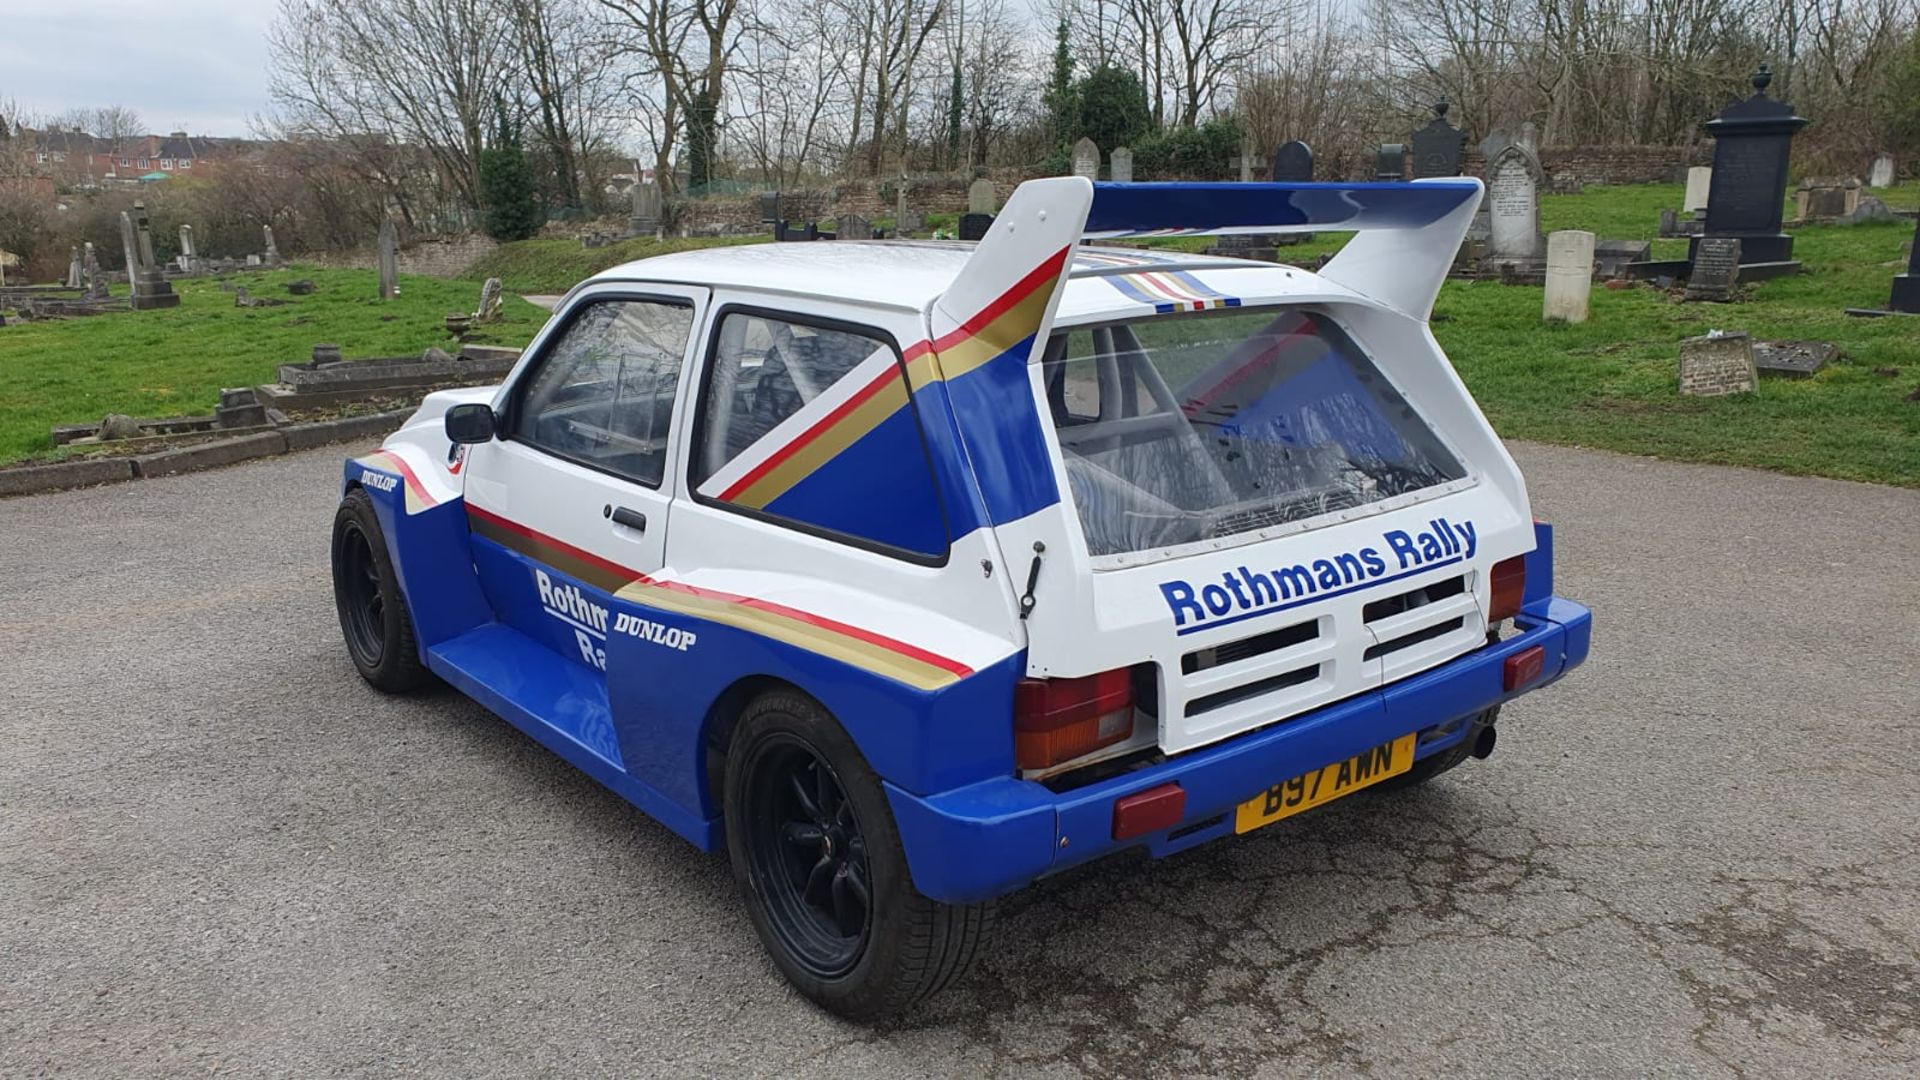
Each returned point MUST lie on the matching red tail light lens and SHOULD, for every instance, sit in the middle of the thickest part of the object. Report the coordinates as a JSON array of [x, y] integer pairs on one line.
[[1056, 720], [1509, 584]]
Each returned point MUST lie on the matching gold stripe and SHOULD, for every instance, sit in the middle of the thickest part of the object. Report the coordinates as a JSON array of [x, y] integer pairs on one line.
[[815, 639], [997, 336]]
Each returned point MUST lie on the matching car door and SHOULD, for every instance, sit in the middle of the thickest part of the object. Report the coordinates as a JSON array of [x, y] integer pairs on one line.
[[571, 502]]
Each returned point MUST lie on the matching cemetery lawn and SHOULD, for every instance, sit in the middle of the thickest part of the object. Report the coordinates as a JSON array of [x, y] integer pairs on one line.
[[175, 362]]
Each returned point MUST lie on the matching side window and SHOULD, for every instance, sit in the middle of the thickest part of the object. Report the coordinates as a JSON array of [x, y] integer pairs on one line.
[[814, 424], [603, 394]]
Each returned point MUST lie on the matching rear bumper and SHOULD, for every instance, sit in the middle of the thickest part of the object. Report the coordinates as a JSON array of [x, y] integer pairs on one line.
[[990, 838]]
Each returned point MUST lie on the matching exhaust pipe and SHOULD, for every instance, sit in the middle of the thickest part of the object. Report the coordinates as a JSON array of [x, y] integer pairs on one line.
[[1483, 743]]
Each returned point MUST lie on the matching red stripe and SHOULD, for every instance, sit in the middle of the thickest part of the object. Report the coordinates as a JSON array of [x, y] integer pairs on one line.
[[543, 539], [821, 621], [406, 474], [793, 447], [1038, 276]]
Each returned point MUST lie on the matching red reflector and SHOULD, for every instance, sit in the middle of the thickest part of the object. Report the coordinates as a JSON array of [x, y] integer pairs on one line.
[[1523, 667], [1509, 584], [1148, 811], [1056, 720]]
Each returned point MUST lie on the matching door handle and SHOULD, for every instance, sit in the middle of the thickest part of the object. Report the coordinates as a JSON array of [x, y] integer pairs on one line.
[[632, 519]]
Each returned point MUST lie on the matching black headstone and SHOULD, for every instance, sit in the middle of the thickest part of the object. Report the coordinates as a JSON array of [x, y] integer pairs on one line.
[[1906, 287], [1391, 164], [1716, 268], [975, 226], [769, 207], [1292, 163], [1436, 147], [1752, 141]]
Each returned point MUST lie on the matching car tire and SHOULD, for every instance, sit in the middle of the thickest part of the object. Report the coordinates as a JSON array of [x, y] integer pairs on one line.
[[819, 864], [1433, 765], [366, 593]]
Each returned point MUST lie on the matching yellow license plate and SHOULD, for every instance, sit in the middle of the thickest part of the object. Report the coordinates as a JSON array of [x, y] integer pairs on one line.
[[1325, 785]]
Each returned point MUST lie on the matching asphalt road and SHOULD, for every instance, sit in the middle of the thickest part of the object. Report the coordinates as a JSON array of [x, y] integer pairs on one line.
[[220, 853]]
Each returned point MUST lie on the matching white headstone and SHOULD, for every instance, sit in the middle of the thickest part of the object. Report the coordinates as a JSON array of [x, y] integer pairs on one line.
[[1120, 165], [1569, 275], [1881, 174], [1699, 179], [1086, 159], [1513, 204], [981, 197]]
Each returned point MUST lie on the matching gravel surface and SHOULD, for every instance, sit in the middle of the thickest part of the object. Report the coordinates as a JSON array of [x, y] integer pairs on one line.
[[220, 853]]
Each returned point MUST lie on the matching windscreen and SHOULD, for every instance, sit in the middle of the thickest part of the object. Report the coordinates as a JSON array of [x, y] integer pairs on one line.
[[1183, 428]]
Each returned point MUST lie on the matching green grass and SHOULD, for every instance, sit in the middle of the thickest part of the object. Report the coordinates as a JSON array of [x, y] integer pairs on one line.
[[554, 266], [175, 362]]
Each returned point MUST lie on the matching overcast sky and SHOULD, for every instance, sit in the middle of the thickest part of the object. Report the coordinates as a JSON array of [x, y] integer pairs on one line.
[[197, 65]]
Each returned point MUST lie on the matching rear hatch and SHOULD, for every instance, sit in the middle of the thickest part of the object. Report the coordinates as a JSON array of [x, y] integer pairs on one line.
[[1263, 520]]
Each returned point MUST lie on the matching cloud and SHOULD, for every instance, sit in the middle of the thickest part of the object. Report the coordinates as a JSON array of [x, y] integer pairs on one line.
[[198, 65]]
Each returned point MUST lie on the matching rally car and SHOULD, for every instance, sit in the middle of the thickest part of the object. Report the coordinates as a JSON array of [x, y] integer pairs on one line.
[[912, 572]]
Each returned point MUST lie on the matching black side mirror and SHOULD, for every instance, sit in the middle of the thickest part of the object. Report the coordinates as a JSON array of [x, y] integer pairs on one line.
[[470, 423]]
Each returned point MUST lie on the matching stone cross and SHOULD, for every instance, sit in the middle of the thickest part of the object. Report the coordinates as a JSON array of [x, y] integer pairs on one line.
[[1717, 364], [1086, 159], [1513, 204], [1436, 147], [273, 250], [389, 244], [1699, 180], [1120, 165], [1752, 141], [1292, 163], [981, 197], [1569, 276]]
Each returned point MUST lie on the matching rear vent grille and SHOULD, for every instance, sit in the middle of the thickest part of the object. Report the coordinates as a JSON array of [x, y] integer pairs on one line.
[[1259, 644], [1417, 598], [1425, 633], [1224, 698], [1281, 513]]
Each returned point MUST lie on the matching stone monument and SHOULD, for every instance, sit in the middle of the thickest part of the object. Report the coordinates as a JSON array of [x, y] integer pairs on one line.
[[1753, 140], [1717, 364], [1437, 147], [189, 258], [1120, 165], [273, 250], [982, 198], [1086, 159], [150, 287], [1391, 162], [1513, 205], [1569, 276], [74, 268], [389, 245], [1881, 173], [1826, 198], [1292, 163], [644, 216]]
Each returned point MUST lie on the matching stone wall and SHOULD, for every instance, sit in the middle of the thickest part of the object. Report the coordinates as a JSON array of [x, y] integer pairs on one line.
[[446, 257]]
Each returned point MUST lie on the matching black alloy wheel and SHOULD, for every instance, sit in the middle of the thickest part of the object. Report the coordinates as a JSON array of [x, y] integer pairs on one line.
[[366, 591], [362, 607], [807, 848]]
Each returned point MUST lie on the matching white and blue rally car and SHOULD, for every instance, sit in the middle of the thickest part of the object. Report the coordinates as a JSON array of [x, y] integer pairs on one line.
[[912, 572]]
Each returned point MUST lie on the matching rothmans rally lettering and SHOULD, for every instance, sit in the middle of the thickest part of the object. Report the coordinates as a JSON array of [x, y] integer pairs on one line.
[[565, 601], [1247, 592]]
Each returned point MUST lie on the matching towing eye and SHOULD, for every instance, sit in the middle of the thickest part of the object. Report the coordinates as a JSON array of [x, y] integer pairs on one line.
[[1033, 578]]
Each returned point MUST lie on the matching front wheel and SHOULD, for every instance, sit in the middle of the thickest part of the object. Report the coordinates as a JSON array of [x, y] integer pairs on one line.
[[373, 614], [819, 863]]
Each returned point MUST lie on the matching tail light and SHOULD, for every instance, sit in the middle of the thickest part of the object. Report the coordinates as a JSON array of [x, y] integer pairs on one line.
[[1509, 583], [1056, 720]]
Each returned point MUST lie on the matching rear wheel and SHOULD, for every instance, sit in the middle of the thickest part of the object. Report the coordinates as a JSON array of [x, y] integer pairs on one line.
[[819, 863], [373, 614]]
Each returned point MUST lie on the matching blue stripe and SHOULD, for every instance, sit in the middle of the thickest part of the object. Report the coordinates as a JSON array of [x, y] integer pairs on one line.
[[1123, 208], [1317, 597]]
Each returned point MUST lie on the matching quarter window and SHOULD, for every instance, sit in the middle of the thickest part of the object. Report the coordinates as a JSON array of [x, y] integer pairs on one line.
[[603, 394]]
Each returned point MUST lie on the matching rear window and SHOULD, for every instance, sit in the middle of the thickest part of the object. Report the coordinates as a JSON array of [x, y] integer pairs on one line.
[[1179, 429]]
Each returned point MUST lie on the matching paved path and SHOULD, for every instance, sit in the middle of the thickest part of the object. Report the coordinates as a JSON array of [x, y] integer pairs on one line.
[[544, 300], [221, 854]]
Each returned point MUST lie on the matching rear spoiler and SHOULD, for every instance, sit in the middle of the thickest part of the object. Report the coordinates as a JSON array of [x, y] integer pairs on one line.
[[1407, 237]]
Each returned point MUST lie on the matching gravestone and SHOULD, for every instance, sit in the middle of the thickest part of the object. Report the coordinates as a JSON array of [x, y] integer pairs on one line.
[[1793, 359], [1715, 269], [900, 207], [1292, 163], [643, 218], [239, 407], [1881, 172], [1827, 198], [770, 207], [1513, 204], [1699, 179], [1391, 162], [1906, 287], [1120, 165], [150, 287], [491, 298], [189, 258], [1437, 147], [1611, 257], [130, 249], [1086, 159], [389, 245], [982, 198], [1753, 140], [90, 278], [853, 227], [1717, 364], [74, 269], [1569, 276], [273, 250], [975, 226]]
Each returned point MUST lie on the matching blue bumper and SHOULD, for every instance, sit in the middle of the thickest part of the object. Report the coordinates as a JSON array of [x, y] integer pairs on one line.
[[993, 837]]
